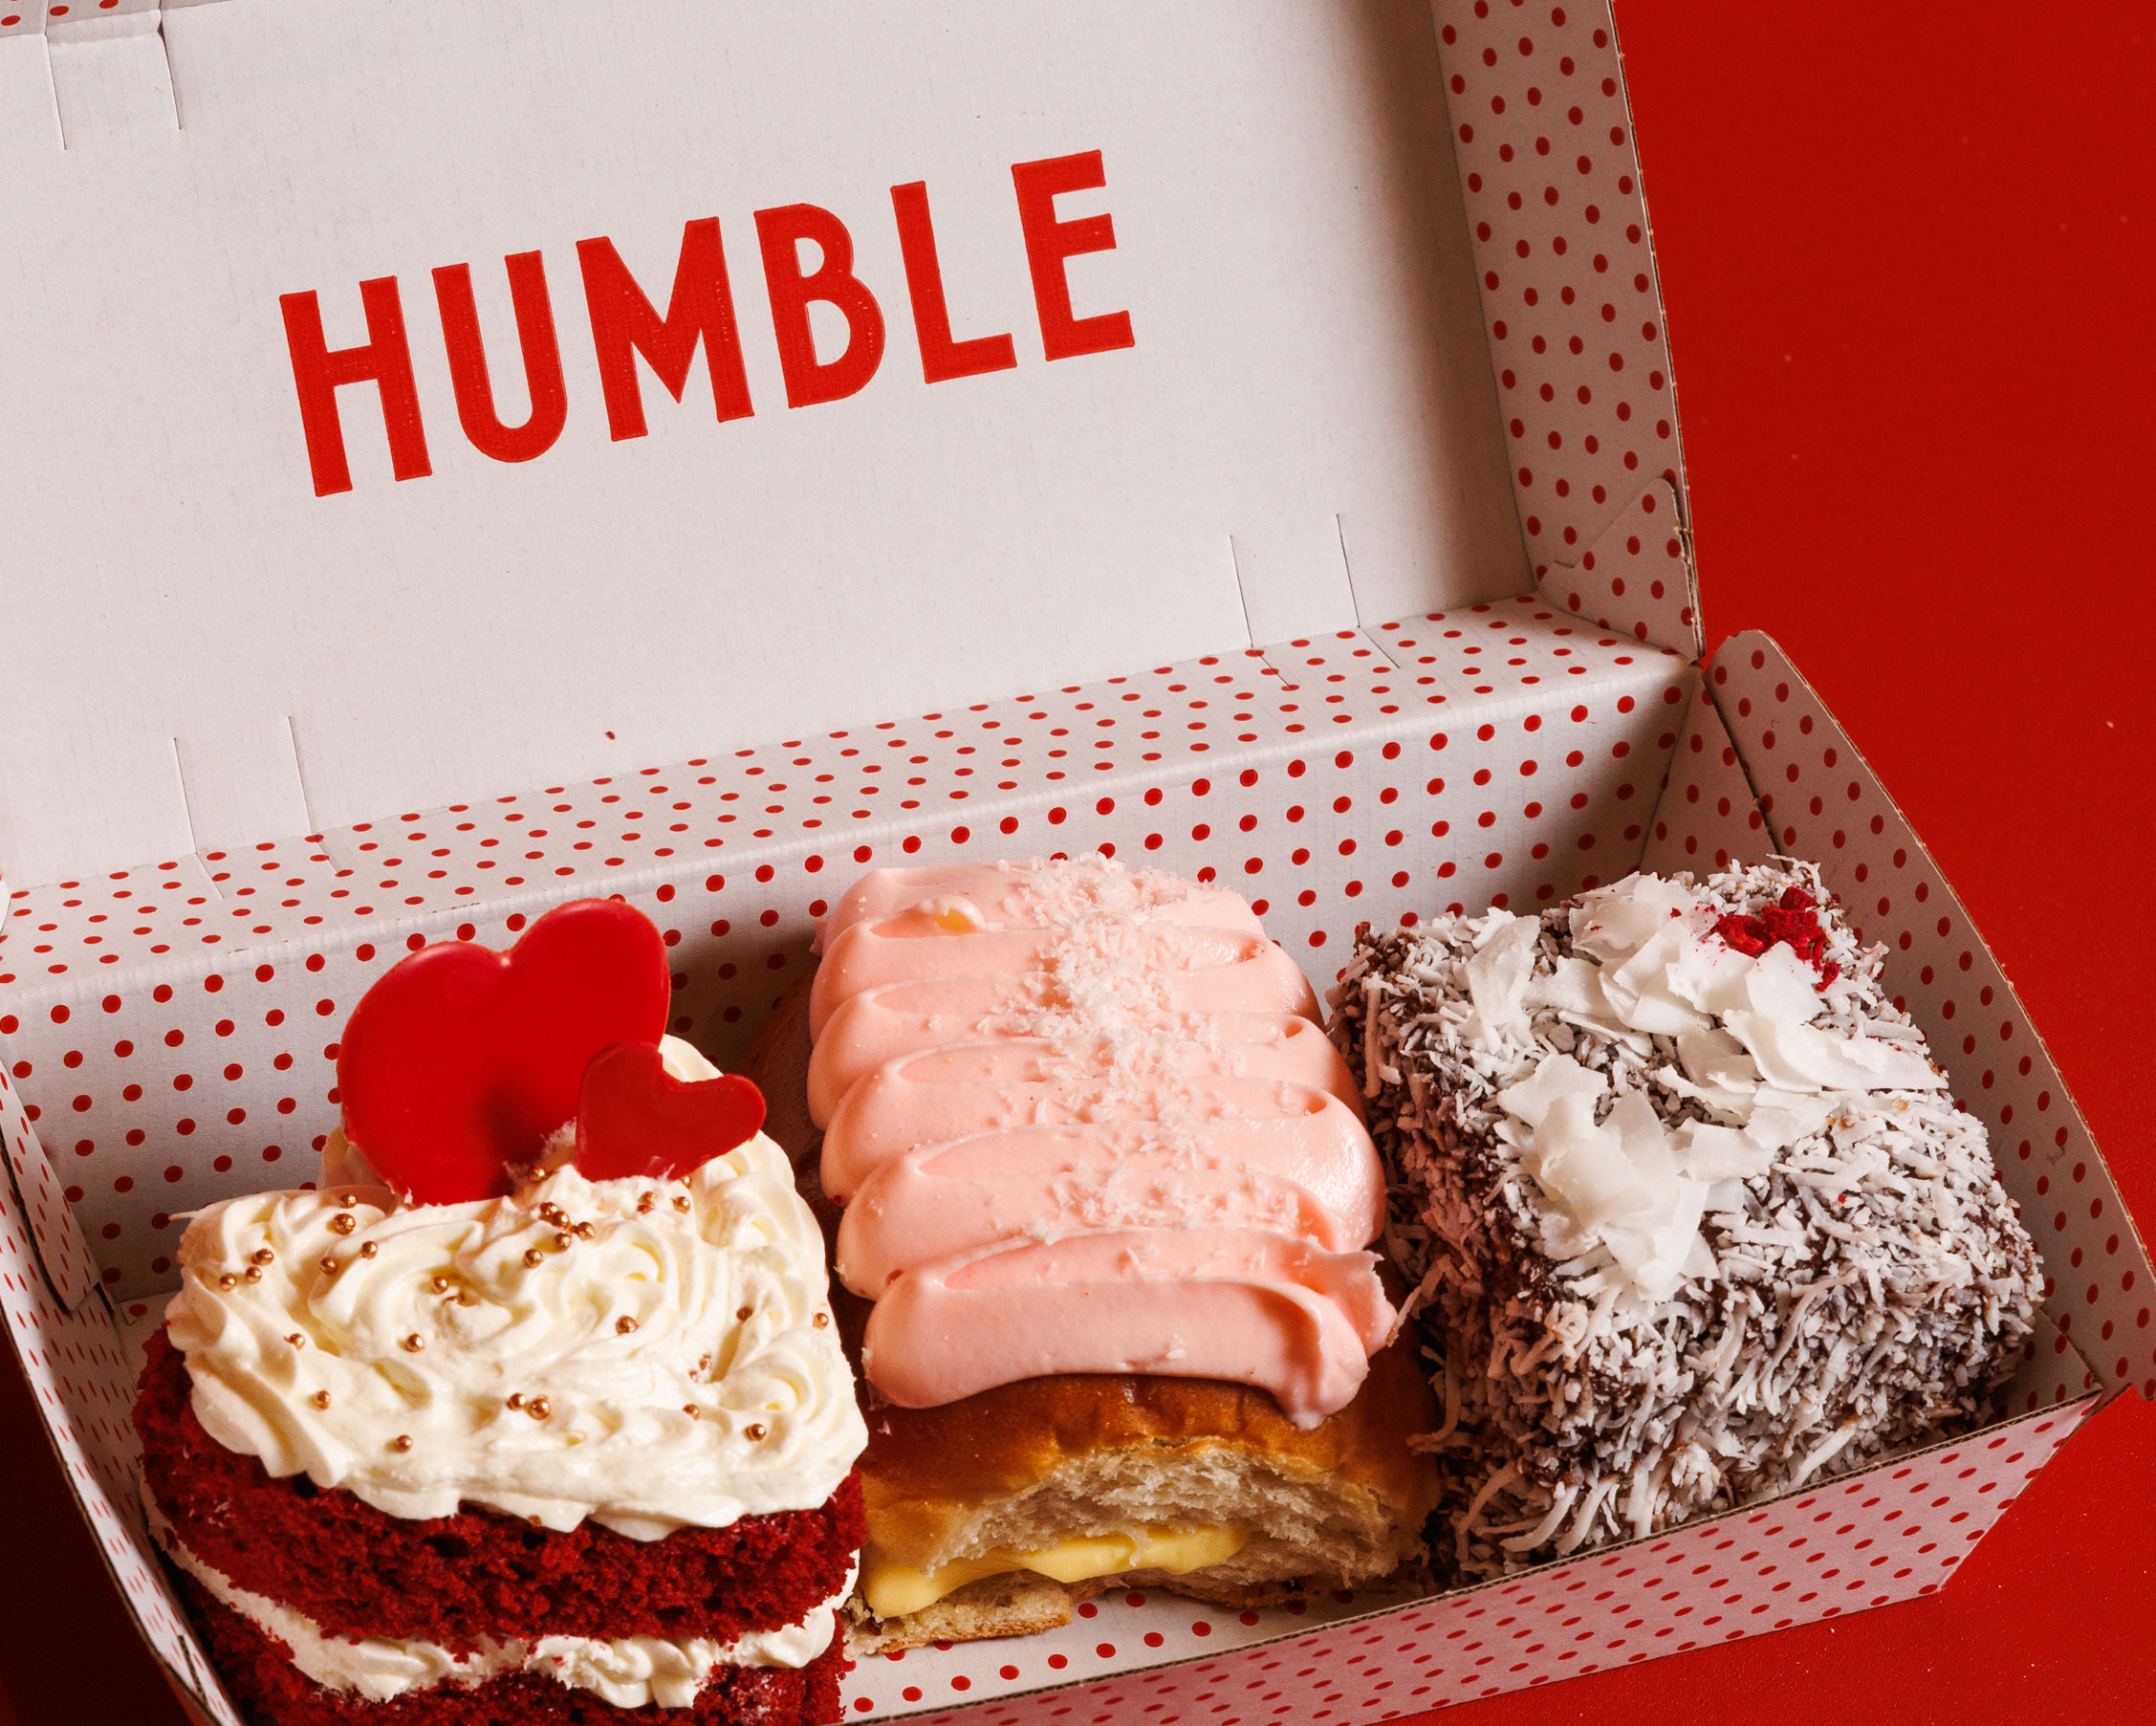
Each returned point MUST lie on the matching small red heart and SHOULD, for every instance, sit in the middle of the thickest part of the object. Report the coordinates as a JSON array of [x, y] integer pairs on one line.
[[461, 1060], [635, 1118]]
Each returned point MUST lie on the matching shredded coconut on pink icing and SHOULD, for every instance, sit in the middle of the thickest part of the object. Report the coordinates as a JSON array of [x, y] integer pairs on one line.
[[1083, 1120]]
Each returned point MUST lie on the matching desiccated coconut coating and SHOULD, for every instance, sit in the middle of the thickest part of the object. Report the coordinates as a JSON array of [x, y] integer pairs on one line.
[[1870, 1285]]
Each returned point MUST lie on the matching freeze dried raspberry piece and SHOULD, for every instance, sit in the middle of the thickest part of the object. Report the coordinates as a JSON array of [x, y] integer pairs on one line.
[[1793, 921]]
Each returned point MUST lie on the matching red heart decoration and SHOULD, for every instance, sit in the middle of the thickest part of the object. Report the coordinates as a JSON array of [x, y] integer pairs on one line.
[[461, 1060], [635, 1118]]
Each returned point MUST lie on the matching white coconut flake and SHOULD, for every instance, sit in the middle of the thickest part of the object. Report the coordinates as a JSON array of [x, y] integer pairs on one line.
[[1705, 1229]]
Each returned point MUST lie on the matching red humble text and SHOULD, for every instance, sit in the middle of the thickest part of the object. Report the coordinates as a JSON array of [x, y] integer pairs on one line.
[[700, 317]]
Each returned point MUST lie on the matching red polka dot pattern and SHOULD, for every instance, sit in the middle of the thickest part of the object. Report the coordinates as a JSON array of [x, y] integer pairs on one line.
[[1708, 818], [167, 1034], [1508, 749], [1638, 580], [39, 1200], [76, 20], [1893, 1533], [1544, 135], [172, 1029], [1823, 801]]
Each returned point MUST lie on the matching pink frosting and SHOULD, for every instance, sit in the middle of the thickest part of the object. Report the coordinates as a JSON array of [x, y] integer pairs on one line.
[[1241, 1305], [1083, 1120], [1047, 1183], [1035, 893], [1142, 957], [1251, 1001]]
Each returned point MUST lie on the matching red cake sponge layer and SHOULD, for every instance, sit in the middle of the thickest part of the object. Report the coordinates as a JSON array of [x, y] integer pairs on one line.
[[358, 1571], [258, 1669]]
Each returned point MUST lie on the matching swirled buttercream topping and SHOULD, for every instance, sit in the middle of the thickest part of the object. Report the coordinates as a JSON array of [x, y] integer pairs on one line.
[[1082, 1120], [627, 1672], [647, 1353]]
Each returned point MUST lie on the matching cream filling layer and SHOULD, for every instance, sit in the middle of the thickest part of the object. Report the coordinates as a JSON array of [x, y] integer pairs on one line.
[[647, 1353], [892, 1590], [629, 1671]]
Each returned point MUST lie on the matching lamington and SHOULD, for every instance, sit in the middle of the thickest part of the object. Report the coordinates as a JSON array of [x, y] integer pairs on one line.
[[502, 1424], [1692, 1214]]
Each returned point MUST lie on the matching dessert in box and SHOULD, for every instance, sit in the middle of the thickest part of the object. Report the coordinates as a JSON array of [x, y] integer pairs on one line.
[[534, 1411], [1695, 1215], [1108, 1190], [1448, 652]]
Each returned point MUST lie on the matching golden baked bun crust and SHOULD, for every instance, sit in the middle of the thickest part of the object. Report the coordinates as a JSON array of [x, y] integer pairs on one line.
[[1023, 1466], [929, 1471]]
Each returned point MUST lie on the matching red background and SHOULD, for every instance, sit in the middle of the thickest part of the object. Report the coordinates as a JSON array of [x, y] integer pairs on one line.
[[1911, 262]]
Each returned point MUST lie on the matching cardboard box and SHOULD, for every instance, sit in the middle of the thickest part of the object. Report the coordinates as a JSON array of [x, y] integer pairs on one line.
[[1309, 354]]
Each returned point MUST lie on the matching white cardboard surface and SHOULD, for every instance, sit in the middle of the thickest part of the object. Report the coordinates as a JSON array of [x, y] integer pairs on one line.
[[1304, 432], [1333, 764]]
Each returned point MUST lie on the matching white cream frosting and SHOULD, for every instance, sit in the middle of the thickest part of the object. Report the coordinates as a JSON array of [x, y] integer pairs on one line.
[[629, 1671], [647, 1353], [1645, 963]]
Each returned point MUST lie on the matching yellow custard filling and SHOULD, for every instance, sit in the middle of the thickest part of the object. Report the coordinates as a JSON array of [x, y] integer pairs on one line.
[[892, 1590]]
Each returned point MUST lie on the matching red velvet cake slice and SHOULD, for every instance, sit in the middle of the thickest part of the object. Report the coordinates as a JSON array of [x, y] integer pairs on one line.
[[577, 1443]]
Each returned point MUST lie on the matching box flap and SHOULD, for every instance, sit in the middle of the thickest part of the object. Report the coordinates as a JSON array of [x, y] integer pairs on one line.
[[1245, 395], [1638, 578], [40, 1201], [1823, 801]]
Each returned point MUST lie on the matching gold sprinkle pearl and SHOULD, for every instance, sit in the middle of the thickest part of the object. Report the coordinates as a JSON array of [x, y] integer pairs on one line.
[[368, 1249], [414, 1343], [755, 1430], [344, 1222], [822, 1320], [693, 1412], [625, 1324], [441, 1286], [321, 1399], [254, 1272], [401, 1442], [516, 1399], [263, 1256], [329, 1265], [533, 1258], [297, 1339], [347, 1199], [228, 1281], [539, 1407], [644, 1203], [742, 1316], [564, 1240], [680, 1202], [583, 1231]]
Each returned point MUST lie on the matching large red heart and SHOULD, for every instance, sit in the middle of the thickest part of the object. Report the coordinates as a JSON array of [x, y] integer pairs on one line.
[[635, 1118], [461, 1060]]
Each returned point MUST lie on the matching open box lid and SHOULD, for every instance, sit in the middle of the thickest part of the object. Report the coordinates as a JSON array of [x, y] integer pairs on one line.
[[1304, 140], [1273, 411]]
